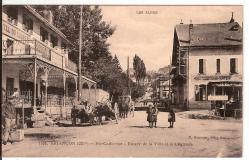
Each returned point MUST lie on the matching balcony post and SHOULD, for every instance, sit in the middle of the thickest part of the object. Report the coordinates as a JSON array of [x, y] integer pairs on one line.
[[76, 86], [35, 47], [95, 94], [89, 92], [35, 79], [64, 89], [46, 94]]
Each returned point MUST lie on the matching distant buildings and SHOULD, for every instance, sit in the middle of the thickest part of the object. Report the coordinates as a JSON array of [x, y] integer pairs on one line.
[[208, 60], [163, 83]]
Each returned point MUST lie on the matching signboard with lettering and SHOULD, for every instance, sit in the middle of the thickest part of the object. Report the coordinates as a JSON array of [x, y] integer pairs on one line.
[[14, 32], [212, 77], [218, 98]]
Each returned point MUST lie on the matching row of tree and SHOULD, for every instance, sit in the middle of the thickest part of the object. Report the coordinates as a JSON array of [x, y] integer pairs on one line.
[[97, 61]]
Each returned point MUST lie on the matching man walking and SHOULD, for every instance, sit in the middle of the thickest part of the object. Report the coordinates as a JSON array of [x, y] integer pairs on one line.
[[9, 113]]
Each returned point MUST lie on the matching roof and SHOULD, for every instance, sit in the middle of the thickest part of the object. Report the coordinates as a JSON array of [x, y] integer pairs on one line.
[[213, 34], [52, 27]]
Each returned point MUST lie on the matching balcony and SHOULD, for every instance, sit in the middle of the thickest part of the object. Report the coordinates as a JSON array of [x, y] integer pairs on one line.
[[22, 48], [25, 46]]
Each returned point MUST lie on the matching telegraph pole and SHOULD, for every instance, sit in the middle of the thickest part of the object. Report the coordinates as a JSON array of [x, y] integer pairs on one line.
[[79, 64], [128, 74]]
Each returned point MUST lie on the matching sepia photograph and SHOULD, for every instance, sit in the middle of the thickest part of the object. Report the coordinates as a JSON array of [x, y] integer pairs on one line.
[[122, 81]]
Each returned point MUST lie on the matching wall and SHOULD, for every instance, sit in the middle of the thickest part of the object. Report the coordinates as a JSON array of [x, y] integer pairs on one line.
[[58, 52], [210, 55]]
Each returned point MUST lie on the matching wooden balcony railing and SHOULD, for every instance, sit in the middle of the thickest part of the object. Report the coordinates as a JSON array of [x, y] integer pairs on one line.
[[32, 47]]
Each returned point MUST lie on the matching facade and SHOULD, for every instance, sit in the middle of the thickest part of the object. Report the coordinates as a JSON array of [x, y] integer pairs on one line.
[[208, 60], [163, 84], [162, 87], [35, 60]]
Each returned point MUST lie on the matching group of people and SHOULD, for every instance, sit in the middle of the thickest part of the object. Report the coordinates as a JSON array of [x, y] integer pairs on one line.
[[125, 106], [122, 109], [85, 107], [8, 115], [152, 113]]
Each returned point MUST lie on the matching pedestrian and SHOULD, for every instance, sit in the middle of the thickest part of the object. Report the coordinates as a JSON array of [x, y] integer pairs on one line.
[[149, 111], [185, 105], [74, 111], [16, 93], [154, 113], [116, 111], [132, 108], [171, 118], [73, 115], [9, 113]]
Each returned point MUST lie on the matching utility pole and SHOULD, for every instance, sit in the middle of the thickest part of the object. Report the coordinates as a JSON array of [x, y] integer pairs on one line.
[[128, 75], [170, 67], [79, 64]]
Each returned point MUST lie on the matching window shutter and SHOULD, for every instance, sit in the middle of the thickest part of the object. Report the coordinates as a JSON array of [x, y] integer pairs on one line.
[[236, 65], [204, 66], [197, 93]]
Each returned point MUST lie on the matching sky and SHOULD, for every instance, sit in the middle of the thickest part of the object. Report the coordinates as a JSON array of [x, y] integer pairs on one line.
[[148, 30]]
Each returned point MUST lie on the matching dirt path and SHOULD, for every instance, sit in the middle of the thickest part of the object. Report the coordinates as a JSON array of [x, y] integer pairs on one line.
[[132, 137]]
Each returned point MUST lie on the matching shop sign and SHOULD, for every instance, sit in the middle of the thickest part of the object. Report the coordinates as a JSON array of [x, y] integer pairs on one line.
[[13, 32], [213, 77], [218, 98]]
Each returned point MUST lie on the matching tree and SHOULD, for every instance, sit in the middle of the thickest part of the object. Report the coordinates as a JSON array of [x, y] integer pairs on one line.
[[139, 68], [97, 61]]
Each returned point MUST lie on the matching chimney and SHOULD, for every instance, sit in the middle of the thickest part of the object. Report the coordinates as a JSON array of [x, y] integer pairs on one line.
[[190, 30], [232, 20], [191, 25]]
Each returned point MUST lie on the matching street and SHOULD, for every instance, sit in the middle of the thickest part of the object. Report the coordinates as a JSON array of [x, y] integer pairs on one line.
[[132, 138]]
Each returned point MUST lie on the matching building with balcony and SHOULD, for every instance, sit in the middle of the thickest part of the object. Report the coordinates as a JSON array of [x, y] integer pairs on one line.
[[208, 60], [162, 85], [35, 60]]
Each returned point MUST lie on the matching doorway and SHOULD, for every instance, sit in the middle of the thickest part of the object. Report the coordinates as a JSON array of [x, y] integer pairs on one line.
[[9, 86]]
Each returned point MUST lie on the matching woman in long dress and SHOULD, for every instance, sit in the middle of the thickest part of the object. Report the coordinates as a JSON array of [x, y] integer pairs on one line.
[[149, 118], [154, 113]]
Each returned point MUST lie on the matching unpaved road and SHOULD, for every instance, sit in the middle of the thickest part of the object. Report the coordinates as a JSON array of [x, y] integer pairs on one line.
[[132, 138]]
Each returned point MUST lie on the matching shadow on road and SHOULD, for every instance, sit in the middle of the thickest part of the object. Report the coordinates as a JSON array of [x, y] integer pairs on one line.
[[144, 127], [43, 136], [65, 124]]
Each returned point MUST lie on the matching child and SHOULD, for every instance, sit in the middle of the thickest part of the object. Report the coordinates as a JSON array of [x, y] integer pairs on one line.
[[171, 118]]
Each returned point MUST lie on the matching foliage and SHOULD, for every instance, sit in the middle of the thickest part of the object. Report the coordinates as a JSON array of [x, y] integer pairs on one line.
[[103, 110], [139, 68], [97, 61]]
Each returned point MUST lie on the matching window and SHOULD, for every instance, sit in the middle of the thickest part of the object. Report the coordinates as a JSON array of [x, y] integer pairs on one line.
[[27, 23], [200, 93], [54, 41], [12, 12], [218, 65], [202, 66], [43, 34], [233, 65]]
